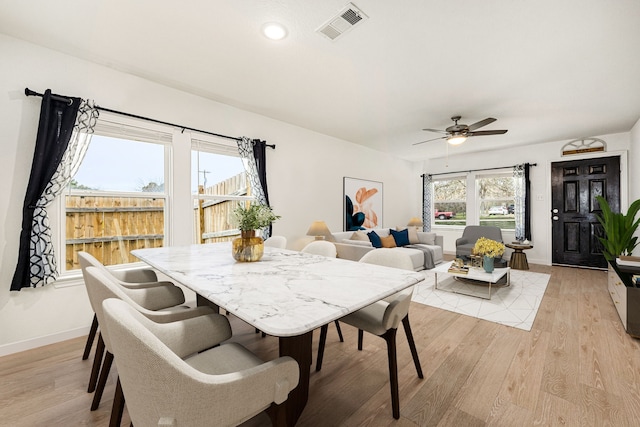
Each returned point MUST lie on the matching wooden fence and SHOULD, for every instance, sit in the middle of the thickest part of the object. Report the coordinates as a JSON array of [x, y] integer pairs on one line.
[[109, 228]]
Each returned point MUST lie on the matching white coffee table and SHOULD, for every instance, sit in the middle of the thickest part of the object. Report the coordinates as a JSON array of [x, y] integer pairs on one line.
[[467, 283]]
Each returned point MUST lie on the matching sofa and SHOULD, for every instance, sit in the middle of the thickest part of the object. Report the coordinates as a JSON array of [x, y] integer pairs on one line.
[[424, 248]]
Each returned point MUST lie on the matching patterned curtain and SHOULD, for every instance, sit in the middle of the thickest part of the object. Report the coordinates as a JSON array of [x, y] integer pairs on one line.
[[427, 215], [522, 209], [256, 168], [60, 149]]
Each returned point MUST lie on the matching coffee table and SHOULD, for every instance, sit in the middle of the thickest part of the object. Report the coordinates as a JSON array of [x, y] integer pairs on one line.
[[464, 283]]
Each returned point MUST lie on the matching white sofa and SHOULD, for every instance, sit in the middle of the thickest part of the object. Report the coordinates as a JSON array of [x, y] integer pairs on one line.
[[348, 247]]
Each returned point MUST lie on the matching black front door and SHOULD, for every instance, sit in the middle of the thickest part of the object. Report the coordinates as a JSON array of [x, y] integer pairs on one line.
[[575, 228]]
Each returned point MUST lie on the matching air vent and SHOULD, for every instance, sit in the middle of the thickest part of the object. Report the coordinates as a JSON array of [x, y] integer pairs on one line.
[[343, 22]]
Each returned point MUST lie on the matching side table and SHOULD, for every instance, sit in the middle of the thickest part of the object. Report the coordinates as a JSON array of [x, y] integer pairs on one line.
[[518, 257]]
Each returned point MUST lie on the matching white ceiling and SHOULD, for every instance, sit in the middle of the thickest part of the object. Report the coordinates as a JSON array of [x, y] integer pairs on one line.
[[548, 70]]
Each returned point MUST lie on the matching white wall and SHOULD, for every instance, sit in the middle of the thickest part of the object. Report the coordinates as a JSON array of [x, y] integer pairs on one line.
[[543, 155], [305, 172]]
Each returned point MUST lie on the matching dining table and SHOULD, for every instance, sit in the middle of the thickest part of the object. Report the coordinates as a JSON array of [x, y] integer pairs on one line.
[[287, 294]]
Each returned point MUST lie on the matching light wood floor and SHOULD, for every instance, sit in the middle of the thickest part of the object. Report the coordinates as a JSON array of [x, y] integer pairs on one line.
[[577, 367]]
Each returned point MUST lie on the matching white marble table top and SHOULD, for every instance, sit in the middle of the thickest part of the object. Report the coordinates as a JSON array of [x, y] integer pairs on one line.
[[287, 293]]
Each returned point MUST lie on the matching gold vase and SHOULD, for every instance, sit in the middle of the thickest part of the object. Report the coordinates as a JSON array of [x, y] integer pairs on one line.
[[248, 247]]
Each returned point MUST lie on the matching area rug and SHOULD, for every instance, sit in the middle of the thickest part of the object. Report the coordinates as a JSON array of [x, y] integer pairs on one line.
[[515, 306]]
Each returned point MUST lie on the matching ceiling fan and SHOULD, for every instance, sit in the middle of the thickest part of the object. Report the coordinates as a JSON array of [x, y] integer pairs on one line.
[[458, 133]]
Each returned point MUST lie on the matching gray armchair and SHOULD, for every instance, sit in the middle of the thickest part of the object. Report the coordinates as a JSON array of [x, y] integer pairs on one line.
[[471, 233]]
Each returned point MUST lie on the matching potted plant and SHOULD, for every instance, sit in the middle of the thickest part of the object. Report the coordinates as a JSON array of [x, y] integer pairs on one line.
[[489, 249], [248, 247], [618, 239]]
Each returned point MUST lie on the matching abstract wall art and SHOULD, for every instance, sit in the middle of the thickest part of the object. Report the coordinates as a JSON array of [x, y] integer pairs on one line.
[[362, 204]]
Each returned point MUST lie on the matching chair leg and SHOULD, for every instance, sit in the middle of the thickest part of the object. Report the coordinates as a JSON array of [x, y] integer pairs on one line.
[[104, 373], [339, 330], [90, 338], [390, 338], [118, 406], [97, 361], [412, 345], [360, 338], [323, 340]]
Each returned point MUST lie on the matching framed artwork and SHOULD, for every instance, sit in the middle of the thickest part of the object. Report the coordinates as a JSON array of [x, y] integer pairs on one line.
[[362, 204]]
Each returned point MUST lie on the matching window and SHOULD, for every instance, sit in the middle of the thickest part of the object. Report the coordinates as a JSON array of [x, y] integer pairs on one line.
[[134, 190], [450, 201], [496, 200], [218, 185], [117, 200]]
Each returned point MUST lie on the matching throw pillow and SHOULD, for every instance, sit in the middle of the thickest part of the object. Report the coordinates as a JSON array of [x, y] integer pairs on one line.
[[427, 238], [388, 242], [401, 237], [375, 239], [413, 236], [359, 235]]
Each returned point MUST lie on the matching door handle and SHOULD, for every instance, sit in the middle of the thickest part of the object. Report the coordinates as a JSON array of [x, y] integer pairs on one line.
[[555, 217]]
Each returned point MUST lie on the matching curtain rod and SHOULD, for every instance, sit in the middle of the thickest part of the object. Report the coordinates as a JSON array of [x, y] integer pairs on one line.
[[479, 170], [29, 92]]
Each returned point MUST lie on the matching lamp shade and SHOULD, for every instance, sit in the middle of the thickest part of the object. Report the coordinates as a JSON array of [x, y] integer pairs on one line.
[[318, 229], [415, 222]]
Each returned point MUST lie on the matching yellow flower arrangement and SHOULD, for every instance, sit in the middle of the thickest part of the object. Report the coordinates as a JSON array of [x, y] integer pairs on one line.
[[488, 247]]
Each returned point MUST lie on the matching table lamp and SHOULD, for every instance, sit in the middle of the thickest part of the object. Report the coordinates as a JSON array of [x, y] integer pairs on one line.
[[319, 229], [415, 222]]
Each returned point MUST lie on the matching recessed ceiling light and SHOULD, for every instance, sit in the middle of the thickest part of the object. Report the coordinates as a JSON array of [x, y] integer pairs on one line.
[[274, 31]]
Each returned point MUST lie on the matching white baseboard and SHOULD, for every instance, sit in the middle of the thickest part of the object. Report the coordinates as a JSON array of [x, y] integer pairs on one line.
[[17, 347]]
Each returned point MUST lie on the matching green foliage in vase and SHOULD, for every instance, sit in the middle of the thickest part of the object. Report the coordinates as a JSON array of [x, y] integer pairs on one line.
[[254, 217], [619, 230]]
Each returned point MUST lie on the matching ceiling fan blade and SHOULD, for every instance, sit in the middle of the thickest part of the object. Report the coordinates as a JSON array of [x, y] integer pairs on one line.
[[488, 132], [435, 130], [481, 123], [429, 140]]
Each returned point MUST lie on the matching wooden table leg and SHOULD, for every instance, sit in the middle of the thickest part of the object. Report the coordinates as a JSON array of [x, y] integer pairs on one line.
[[519, 260], [299, 348]]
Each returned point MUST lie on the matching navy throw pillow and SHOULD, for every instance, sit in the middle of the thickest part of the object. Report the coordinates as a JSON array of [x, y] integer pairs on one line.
[[401, 237], [375, 239]]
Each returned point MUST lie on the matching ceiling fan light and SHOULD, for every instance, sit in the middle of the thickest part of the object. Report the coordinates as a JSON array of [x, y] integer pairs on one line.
[[456, 139]]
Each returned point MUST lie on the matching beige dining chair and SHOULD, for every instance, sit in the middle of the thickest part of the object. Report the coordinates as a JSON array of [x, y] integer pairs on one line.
[[168, 380], [169, 299], [382, 318], [100, 286], [320, 247], [279, 242], [130, 277]]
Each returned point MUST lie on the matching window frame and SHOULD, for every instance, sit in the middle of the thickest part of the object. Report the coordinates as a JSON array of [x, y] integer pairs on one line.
[[116, 126]]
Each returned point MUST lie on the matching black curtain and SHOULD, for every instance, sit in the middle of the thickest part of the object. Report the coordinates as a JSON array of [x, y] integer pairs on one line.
[[527, 202], [57, 119], [260, 156]]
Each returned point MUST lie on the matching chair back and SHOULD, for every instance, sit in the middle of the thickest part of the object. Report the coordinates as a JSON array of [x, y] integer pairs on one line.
[[101, 285], [279, 242], [126, 277], [321, 247], [473, 232], [389, 258], [162, 389]]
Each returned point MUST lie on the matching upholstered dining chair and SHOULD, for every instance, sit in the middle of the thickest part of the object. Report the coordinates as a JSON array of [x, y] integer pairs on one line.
[[320, 247], [328, 249], [100, 286], [130, 276], [382, 319], [171, 379], [168, 299], [279, 242]]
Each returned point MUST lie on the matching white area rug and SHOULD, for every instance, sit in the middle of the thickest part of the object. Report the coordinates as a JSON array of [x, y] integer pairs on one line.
[[516, 305]]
